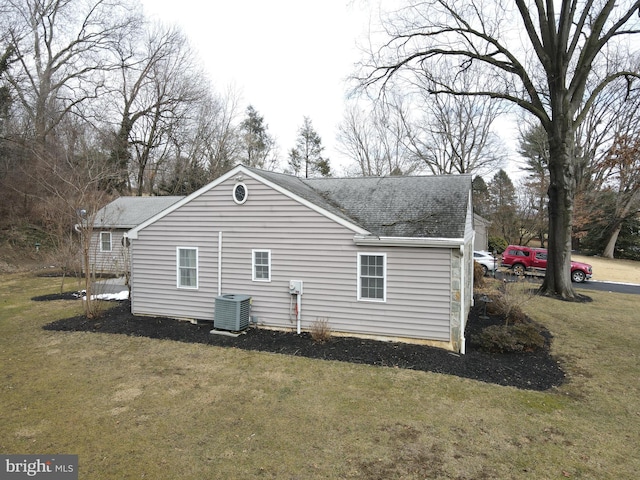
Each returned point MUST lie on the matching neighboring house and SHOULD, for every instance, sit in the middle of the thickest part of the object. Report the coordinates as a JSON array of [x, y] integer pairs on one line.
[[386, 258], [107, 251], [481, 226]]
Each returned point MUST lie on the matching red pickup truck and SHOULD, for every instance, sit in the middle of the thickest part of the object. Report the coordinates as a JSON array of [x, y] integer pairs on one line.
[[526, 259]]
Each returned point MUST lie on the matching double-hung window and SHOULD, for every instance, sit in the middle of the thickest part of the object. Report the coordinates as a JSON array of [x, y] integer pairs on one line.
[[372, 277], [105, 241], [261, 265], [187, 260]]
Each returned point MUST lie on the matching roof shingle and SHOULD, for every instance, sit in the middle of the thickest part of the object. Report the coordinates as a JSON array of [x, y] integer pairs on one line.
[[396, 206], [129, 212]]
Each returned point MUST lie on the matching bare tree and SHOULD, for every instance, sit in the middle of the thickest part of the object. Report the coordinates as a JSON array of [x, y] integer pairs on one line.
[[203, 146], [455, 134], [220, 137], [548, 71], [159, 85], [375, 138], [73, 197], [62, 53], [622, 167]]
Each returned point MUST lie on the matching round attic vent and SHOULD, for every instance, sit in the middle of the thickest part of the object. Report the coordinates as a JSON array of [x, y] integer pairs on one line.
[[240, 193]]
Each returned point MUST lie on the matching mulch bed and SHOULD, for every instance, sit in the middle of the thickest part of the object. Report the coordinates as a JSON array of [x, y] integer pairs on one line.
[[526, 370]]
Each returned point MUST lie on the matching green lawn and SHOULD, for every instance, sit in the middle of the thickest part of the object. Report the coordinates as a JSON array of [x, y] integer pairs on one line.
[[141, 408]]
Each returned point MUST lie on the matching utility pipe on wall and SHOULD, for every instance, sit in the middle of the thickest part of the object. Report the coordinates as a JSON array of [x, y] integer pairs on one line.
[[295, 288], [219, 263], [463, 279], [299, 305]]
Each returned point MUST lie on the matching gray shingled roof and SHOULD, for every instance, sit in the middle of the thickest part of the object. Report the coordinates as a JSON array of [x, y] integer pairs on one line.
[[302, 189], [420, 206], [129, 212]]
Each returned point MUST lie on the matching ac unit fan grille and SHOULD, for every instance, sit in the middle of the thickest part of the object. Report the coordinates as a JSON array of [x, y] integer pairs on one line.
[[232, 312]]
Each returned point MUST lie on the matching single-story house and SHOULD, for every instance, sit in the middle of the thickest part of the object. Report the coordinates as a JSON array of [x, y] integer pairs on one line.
[[107, 249], [378, 257]]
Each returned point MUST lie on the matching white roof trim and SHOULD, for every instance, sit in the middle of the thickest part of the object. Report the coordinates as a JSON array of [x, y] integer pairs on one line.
[[370, 240], [240, 169], [133, 233], [311, 205]]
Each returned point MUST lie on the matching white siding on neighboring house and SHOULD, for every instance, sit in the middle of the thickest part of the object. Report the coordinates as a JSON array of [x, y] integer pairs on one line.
[[303, 245], [481, 241]]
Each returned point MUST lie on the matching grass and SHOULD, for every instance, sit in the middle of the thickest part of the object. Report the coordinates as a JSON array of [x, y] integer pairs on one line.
[[140, 408]]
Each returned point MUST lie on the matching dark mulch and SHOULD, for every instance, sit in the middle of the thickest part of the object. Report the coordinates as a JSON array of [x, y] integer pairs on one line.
[[58, 296], [527, 370]]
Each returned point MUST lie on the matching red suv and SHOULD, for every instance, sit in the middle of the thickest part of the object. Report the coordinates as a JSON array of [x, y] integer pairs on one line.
[[526, 259]]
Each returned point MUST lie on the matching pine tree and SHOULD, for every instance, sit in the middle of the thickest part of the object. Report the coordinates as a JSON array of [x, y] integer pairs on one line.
[[256, 141], [480, 197], [534, 147], [308, 153], [5, 97], [502, 197]]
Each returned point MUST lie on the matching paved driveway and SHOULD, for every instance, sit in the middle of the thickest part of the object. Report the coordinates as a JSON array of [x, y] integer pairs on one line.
[[615, 287]]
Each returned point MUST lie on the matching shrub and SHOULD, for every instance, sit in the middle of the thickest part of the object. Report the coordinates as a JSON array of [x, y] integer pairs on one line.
[[498, 244], [509, 301], [478, 274], [320, 330], [520, 337], [506, 306]]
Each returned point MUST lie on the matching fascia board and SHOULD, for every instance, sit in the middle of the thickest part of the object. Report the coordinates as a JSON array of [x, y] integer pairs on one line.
[[241, 170], [341, 221], [133, 233], [373, 241]]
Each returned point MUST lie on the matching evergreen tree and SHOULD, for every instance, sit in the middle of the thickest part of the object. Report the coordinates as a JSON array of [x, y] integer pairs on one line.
[[534, 147], [502, 198], [295, 162], [5, 97], [308, 153], [480, 197], [256, 140]]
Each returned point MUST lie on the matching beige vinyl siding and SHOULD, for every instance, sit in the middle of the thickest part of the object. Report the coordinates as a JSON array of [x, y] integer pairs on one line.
[[305, 246], [107, 262]]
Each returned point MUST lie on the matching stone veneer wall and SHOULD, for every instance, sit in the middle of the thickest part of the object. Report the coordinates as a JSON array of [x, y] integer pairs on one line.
[[456, 299]]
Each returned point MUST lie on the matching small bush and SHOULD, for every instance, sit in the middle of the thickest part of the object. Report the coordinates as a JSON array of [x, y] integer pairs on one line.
[[478, 274], [506, 306], [509, 300], [320, 330], [498, 244], [520, 337]]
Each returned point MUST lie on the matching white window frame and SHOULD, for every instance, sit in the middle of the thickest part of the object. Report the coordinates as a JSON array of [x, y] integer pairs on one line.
[[180, 267], [102, 242], [254, 265], [384, 276], [246, 193]]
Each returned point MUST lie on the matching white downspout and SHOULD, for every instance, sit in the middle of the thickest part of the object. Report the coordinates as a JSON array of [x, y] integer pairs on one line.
[[463, 287], [219, 263], [299, 303]]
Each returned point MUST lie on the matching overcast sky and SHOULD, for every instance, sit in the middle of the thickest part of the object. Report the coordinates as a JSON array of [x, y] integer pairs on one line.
[[288, 58]]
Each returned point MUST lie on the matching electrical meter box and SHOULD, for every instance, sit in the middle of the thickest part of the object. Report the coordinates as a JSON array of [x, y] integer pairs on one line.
[[295, 287]]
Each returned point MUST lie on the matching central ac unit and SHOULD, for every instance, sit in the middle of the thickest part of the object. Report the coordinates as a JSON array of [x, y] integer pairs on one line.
[[232, 312]]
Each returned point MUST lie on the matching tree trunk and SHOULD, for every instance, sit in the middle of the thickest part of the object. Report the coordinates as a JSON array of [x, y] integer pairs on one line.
[[86, 260], [562, 186], [120, 157], [611, 244], [622, 212]]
